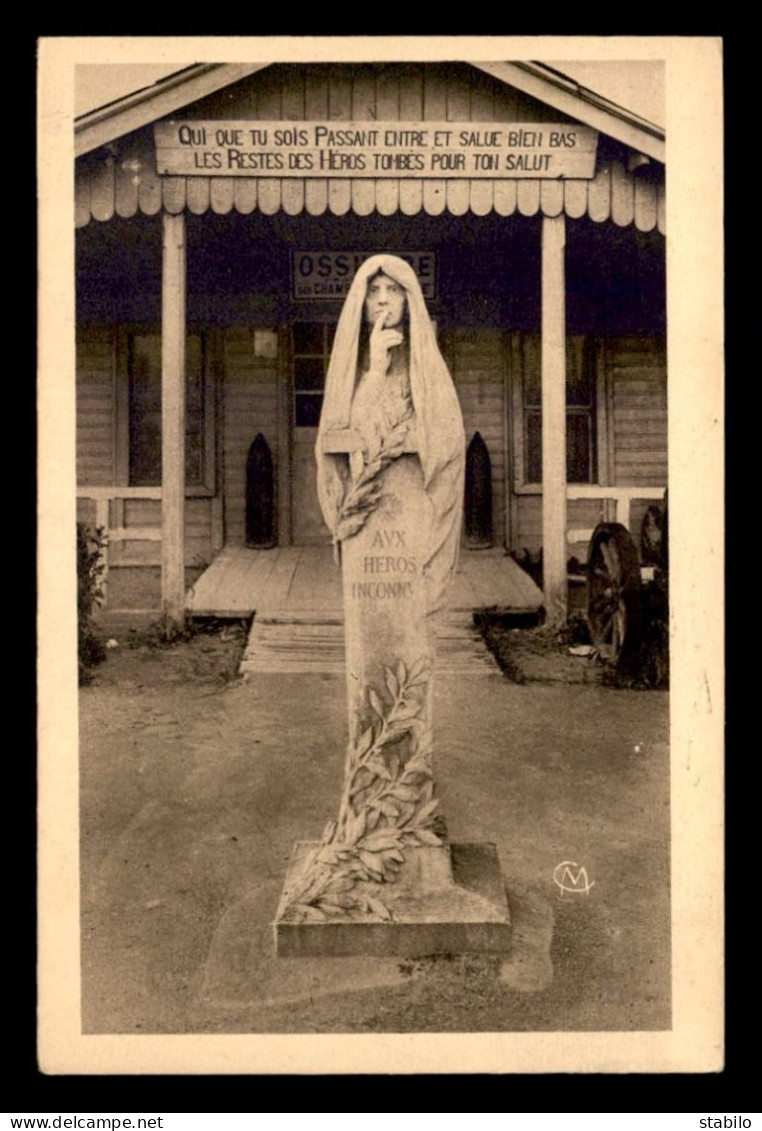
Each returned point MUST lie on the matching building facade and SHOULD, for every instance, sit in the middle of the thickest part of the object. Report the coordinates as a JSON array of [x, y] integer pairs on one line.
[[219, 218]]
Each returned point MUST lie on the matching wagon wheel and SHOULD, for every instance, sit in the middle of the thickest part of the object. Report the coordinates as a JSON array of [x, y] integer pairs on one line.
[[613, 592]]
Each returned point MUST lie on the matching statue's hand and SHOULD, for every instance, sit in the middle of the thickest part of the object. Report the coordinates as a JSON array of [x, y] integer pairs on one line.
[[381, 341]]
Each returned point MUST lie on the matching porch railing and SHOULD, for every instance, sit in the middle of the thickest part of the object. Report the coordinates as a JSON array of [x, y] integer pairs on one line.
[[619, 500], [103, 497]]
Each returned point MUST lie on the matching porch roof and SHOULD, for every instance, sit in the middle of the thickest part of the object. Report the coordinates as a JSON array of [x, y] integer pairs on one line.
[[143, 107], [569, 96], [133, 111], [116, 170]]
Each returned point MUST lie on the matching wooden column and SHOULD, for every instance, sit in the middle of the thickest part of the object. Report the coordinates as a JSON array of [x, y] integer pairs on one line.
[[554, 418], [173, 420], [284, 461]]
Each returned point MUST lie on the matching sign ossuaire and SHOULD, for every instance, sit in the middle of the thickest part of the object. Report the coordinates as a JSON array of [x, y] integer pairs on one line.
[[328, 275], [474, 150]]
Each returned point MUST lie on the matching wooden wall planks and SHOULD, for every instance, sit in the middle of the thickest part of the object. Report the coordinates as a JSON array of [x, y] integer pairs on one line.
[[528, 197], [434, 101], [95, 407], [505, 197], [638, 377], [551, 198], [662, 209], [478, 363], [362, 109], [316, 109], [197, 192], [269, 107], [622, 196], [482, 110], [173, 194], [575, 199], [149, 188], [102, 189], [221, 193], [250, 405], [646, 205], [245, 195], [82, 179], [293, 190], [599, 195], [127, 176]]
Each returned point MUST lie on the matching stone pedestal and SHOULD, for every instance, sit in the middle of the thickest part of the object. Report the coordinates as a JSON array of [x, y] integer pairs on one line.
[[447, 900], [382, 881]]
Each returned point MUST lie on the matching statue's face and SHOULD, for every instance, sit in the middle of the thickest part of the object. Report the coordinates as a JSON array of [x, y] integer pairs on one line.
[[384, 296]]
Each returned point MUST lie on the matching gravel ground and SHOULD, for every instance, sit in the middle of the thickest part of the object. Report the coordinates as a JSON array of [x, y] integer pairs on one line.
[[195, 784]]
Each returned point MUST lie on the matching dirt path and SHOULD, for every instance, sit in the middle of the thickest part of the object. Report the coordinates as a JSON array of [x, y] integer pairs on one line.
[[195, 786]]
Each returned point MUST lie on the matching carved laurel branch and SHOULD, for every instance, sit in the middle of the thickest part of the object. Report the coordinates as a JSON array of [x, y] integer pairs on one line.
[[364, 495], [386, 806]]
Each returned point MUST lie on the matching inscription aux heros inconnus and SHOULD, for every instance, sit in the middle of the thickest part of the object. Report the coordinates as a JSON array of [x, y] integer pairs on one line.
[[390, 574]]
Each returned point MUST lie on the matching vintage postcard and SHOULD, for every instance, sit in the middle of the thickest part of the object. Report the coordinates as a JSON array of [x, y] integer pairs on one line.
[[381, 695]]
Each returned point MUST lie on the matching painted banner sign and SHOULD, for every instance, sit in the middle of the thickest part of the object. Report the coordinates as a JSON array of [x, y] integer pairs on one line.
[[474, 150], [328, 274]]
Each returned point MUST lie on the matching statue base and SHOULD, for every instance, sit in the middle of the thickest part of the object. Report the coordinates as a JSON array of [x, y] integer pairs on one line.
[[447, 900]]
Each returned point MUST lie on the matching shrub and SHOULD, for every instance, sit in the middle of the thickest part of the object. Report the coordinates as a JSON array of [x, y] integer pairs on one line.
[[91, 565]]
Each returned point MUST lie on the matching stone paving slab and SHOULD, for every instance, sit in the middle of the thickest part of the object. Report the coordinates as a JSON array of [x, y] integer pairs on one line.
[[242, 969], [243, 975]]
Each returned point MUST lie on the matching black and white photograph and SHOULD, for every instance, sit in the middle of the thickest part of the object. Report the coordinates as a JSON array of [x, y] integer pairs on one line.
[[379, 380]]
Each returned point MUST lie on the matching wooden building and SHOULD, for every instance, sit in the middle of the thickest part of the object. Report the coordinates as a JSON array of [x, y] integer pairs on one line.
[[218, 217]]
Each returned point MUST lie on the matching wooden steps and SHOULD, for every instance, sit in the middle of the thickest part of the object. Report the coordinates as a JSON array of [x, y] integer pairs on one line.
[[294, 645]]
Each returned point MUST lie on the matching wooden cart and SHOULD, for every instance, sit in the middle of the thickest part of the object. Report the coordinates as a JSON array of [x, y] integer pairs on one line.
[[628, 597]]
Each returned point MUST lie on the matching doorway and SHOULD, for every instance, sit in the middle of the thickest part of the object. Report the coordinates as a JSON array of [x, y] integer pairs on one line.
[[311, 343]]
